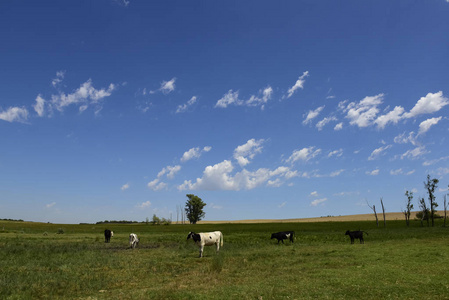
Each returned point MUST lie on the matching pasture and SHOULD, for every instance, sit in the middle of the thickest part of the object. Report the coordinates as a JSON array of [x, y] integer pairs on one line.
[[395, 262]]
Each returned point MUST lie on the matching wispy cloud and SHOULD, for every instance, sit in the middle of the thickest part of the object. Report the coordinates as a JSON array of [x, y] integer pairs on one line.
[[425, 125], [378, 152], [312, 114], [316, 202], [373, 172], [244, 153], [84, 96], [14, 114], [304, 154], [157, 185], [144, 205], [299, 84], [184, 107], [194, 153], [232, 98], [168, 86], [125, 187]]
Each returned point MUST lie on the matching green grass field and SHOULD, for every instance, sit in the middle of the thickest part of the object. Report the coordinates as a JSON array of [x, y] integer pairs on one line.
[[395, 262]]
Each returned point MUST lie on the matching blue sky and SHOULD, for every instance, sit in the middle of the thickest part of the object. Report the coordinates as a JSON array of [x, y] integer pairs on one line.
[[114, 109]]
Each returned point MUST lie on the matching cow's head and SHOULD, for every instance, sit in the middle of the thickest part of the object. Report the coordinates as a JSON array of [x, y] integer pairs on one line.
[[195, 236], [273, 235], [347, 232]]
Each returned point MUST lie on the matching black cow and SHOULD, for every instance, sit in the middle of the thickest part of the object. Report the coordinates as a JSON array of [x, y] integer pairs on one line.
[[283, 235], [107, 235], [356, 235]]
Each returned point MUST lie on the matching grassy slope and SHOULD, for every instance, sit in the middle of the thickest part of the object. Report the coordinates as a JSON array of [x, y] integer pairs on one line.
[[395, 262]]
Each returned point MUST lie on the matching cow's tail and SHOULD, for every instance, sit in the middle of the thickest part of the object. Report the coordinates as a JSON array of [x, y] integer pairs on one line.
[[221, 239]]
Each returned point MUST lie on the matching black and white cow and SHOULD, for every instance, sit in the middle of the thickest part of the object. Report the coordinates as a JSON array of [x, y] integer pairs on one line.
[[283, 235], [133, 240], [107, 235], [356, 235], [207, 239]]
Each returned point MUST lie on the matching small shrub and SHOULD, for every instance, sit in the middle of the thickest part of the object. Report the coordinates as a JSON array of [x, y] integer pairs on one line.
[[60, 231]]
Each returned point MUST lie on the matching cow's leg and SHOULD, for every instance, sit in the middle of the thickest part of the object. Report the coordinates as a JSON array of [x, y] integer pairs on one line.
[[362, 241], [218, 246], [352, 240], [201, 251]]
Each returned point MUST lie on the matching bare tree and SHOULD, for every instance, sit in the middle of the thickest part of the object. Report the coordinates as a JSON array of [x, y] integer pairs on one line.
[[424, 211], [445, 210], [383, 212], [431, 185], [409, 207], [375, 213]]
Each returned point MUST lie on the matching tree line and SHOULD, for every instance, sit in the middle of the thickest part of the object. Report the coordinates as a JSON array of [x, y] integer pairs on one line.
[[427, 210]]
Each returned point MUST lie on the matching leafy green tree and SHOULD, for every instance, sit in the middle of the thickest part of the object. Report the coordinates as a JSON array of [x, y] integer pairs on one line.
[[409, 206], [431, 185], [194, 208], [156, 220]]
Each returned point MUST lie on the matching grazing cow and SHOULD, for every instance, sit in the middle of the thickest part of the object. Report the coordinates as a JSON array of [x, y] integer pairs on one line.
[[283, 235], [133, 240], [356, 235], [107, 235], [207, 239]]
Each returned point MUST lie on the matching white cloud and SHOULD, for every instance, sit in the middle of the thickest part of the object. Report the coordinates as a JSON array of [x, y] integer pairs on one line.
[[59, 77], [247, 151], [425, 125], [373, 172], [312, 114], [168, 86], [125, 187], [336, 153], [434, 161], [156, 185], [144, 205], [282, 204], [220, 177], [396, 172], [318, 201], [304, 154], [363, 113], [393, 116], [404, 138], [14, 114], [415, 153], [299, 84], [170, 171], [39, 106], [229, 98], [339, 126], [323, 122], [50, 205], [336, 173], [378, 152], [184, 107], [194, 153], [429, 104], [85, 95], [260, 101], [314, 194], [232, 98]]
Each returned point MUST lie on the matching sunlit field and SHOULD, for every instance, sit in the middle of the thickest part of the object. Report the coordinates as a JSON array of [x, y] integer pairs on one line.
[[51, 261]]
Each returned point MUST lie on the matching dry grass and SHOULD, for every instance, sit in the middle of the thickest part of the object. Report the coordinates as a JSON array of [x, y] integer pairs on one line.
[[363, 217]]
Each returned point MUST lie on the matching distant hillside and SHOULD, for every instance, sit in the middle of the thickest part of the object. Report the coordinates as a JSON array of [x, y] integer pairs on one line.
[[363, 217]]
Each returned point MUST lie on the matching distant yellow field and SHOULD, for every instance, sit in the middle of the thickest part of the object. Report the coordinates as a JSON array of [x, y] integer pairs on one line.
[[363, 217]]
